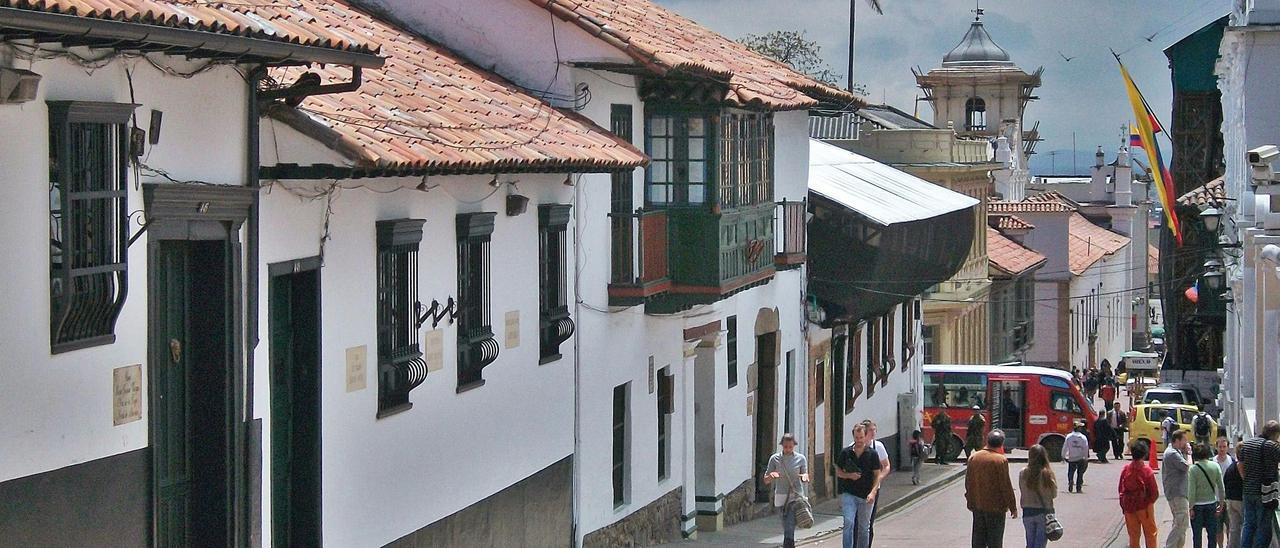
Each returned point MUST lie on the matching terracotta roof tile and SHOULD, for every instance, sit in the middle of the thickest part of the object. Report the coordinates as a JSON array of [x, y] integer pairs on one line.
[[1212, 193], [662, 40], [1053, 196], [1009, 258], [1028, 207], [1089, 243], [290, 21], [428, 111], [1008, 222]]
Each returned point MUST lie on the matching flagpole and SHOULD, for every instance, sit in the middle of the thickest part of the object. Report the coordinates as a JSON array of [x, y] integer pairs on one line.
[[852, 18]]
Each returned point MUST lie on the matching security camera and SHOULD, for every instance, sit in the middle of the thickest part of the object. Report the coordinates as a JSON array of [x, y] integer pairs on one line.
[[1262, 160]]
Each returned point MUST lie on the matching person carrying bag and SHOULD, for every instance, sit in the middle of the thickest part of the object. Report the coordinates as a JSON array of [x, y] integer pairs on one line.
[[787, 473]]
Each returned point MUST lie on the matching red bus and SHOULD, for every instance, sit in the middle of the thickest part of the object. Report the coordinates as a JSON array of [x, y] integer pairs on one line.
[[1030, 404]]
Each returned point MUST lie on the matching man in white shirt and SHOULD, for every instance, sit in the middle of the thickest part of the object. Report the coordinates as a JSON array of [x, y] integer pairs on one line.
[[885, 469], [1075, 450]]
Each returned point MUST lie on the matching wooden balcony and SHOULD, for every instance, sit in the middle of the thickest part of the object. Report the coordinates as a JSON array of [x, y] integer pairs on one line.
[[716, 254], [790, 233], [640, 248]]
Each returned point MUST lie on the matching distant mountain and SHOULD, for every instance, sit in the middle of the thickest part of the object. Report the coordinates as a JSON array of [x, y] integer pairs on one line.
[[1058, 162]]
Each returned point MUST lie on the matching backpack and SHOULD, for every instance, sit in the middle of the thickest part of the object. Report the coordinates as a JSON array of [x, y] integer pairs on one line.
[[1201, 425], [1167, 426], [1133, 490]]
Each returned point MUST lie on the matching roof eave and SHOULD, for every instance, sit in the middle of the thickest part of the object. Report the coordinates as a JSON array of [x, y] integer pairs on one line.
[[126, 32]]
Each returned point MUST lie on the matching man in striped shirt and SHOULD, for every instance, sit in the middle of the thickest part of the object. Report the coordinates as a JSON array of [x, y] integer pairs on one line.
[[1258, 460]]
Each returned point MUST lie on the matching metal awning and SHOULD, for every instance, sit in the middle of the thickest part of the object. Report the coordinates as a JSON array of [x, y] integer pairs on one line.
[[879, 236], [879, 192]]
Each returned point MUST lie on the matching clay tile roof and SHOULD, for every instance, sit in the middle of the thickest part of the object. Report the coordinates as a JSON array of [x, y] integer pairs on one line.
[[1009, 258], [1089, 243], [1153, 259], [1008, 222], [661, 41], [290, 21], [428, 111], [1053, 196], [1029, 207], [1212, 193]]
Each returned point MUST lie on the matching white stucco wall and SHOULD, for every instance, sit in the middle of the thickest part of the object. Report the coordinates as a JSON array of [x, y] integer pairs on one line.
[[59, 407], [385, 478]]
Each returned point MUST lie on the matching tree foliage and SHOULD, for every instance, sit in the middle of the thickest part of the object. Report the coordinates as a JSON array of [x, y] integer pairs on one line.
[[795, 50]]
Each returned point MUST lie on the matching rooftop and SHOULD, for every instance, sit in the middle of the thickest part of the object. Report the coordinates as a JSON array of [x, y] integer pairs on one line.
[[663, 41], [1053, 196], [1008, 222], [1029, 207], [977, 49], [1009, 258], [1089, 243], [1212, 193], [427, 111]]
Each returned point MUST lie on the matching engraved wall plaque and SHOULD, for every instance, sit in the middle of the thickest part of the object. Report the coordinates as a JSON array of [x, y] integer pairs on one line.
[[357, 368], [512, 322], [433, 349], [126, 400]]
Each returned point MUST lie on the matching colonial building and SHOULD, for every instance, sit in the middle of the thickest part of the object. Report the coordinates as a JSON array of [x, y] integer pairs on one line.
[[691, 354], [981, 93], [130, 202], [1013, 303], [872, 222]]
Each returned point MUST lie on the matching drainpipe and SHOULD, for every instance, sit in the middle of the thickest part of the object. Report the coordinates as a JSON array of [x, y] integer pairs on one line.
[[252, 169], [576, 489]]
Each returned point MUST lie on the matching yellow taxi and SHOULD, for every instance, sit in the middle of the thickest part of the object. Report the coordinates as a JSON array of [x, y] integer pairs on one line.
[[1145, 421]]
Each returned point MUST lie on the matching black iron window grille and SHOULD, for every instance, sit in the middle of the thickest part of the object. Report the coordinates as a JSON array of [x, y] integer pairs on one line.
[[666, 406], [731, 347], [622, 203], [476, 346], [554, 324], [746, 158], [620, 445], [400, 364], [88, 221]]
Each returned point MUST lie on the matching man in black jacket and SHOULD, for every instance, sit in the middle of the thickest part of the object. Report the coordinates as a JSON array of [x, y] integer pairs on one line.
[[1118, 420], [1103, 434]]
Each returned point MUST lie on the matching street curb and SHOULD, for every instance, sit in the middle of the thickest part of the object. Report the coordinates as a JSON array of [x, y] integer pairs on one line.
[[894, 507]]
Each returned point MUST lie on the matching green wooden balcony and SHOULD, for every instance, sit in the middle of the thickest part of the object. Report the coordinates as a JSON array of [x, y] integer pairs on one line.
[[716, 254]]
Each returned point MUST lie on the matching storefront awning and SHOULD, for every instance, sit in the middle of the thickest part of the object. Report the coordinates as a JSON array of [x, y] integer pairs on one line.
[[879, 236]]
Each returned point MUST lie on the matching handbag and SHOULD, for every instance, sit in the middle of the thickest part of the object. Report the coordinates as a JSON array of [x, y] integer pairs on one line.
[[800, 505], [1052, 527]]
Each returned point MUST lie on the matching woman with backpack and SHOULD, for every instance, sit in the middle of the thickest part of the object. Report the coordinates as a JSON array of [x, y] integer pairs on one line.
[[919, 452], [1138, 495], [1205, 493], [1038, 486]]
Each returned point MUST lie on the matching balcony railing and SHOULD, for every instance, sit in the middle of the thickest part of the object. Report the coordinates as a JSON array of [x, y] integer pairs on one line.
[[789, 234], [641, 261]]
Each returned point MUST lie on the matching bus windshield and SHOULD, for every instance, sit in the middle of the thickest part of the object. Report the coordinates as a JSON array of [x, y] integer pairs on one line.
[[956, 389]]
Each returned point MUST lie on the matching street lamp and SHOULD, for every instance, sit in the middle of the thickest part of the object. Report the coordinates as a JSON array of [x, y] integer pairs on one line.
[[1212, 219], [1213, 281]]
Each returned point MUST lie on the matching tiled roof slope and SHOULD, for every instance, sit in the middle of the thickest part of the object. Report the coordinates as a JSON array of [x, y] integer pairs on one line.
[[428, 111], [1008, 257], [1008, 222], [290, 21], [1053, 196], [662, 40], [1028, 207], [1089, 243], [1212, 193]]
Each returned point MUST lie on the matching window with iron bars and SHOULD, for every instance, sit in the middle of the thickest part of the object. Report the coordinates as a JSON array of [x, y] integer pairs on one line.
[[476, 346], [554, 324], [622, 209], [746, 158], [400, 364], [88, 221]]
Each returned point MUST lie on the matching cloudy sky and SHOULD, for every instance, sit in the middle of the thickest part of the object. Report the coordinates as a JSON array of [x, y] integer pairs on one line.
[[1085, 95]]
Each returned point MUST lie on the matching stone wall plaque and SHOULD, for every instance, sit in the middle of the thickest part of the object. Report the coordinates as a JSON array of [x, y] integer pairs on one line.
[[651, 373], [751, 404], [512, 322], [357, 368], [126, 400], [433, 349]]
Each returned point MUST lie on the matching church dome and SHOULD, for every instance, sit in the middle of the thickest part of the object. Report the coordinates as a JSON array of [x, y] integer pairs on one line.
[[977, 49]]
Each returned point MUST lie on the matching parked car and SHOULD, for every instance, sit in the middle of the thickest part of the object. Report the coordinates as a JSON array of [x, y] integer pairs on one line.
[[1145, 424], [1166, 394], [1192, 391]]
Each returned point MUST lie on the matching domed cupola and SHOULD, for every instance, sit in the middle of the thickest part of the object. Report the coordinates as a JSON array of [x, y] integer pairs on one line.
[[977, 49]]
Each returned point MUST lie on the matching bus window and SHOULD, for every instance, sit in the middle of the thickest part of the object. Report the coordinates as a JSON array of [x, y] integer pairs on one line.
[[1054, 382], [1064, 402], [956, 389]]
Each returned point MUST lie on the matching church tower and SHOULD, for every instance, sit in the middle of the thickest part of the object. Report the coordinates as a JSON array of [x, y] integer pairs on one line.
[[982, 94]]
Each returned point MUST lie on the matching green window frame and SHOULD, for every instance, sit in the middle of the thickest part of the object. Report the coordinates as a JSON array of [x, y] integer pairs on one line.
[[680, 145]]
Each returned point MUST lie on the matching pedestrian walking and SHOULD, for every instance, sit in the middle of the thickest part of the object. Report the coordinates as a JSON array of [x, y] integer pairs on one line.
[[1090, 385], [1038, 487], [1168, 425], [975, 432], [1258, 459], [988, 493], [882, 453], [1107, 387], [1076, 452], [1173, 471], [1233, 492], [1119, 421], [787, 473], [1205, 493], [919, 451], [1224, 459], [1138, 496], [1202, 426], [1102, 435], [941, 423], [858, 481]]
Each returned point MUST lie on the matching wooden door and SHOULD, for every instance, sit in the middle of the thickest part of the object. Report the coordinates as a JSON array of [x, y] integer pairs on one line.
[[295, 408], [766, 412]]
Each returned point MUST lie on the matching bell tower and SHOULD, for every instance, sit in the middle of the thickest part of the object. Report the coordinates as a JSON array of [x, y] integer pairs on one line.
[[982, 94]]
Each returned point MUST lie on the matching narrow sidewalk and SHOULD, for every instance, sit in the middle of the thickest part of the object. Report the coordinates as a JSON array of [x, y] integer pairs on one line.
[[766, 530]]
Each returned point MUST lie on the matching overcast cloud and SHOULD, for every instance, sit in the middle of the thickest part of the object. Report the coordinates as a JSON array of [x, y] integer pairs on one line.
[[1085, 95]]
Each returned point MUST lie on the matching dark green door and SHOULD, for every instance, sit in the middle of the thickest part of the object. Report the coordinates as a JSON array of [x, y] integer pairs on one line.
[[189, 364], [295, 405]]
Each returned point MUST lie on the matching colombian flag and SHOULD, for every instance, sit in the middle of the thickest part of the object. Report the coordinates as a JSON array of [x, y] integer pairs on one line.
[[1148, 126], [1135, 140]]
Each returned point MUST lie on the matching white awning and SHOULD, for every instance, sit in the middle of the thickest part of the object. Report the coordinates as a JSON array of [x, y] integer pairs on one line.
[[877, 191]]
